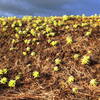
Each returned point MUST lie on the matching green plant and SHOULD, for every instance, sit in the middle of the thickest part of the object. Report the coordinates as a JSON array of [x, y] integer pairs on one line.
[[85, 60], [76, 56], [69, 40], [4, 29], [70, 79], [24, 53], [88, 33], [27, 41], [33, 53], [1, 72], [89, 52], [48, 40], [33, 32], [54, 43], [28, 35], [75, 25], [21, 32], [17, 77], [4, 23], [27, 18], [48, 29], [56, 68], [14, 41], [67, 27], [35, 74], [84, 24], [17, 29], [19, 23], [93, 82], [75, 90], [13, 25], [65, 17], [5, 70], [34, 40], [60, 23], [34, 25], [3, 80], [51, 34], [17, 36], [13, 48], [12, 83], [55, 23], [28, 49], [57, 61]]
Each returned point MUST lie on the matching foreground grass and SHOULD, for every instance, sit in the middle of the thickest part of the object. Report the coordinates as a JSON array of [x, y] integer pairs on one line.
[[50, 58]]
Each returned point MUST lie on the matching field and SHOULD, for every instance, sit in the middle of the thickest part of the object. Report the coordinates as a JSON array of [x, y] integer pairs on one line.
[[50, 58]]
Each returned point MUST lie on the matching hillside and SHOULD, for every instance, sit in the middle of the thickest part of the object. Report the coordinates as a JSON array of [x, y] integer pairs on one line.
[[50, 58]]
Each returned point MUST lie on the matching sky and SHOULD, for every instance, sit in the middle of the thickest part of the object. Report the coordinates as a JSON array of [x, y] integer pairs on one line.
[[21, 8]]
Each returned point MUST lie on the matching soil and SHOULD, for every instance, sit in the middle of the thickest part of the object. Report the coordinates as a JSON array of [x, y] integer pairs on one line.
[[51, 85]]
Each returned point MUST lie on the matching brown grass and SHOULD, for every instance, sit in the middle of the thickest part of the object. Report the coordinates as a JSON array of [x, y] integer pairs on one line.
[[52, 85]]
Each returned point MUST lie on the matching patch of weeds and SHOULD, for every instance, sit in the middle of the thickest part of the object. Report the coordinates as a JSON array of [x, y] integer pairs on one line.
[[70, 79], [33, 32], [48, 29], [54, 43], [76, 56], [27, 41], [51, 34], [28, 49], [3, 80], [85, 60], [17, 77], [93, 82], [3, 71], [56, 68], [17, 36], [12, 83], [75, 90], [84, 24], [33, 53], [35, 74], [58, 61], [75, 25], [49, 40], [24, 53], [65, 17], [69, 40], [88, 33]]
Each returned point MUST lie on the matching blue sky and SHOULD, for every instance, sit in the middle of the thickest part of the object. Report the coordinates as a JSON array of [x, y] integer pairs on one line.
[[48, 7]]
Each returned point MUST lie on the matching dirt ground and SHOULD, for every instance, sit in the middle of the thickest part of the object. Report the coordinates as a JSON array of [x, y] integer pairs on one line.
[[50, 85]]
